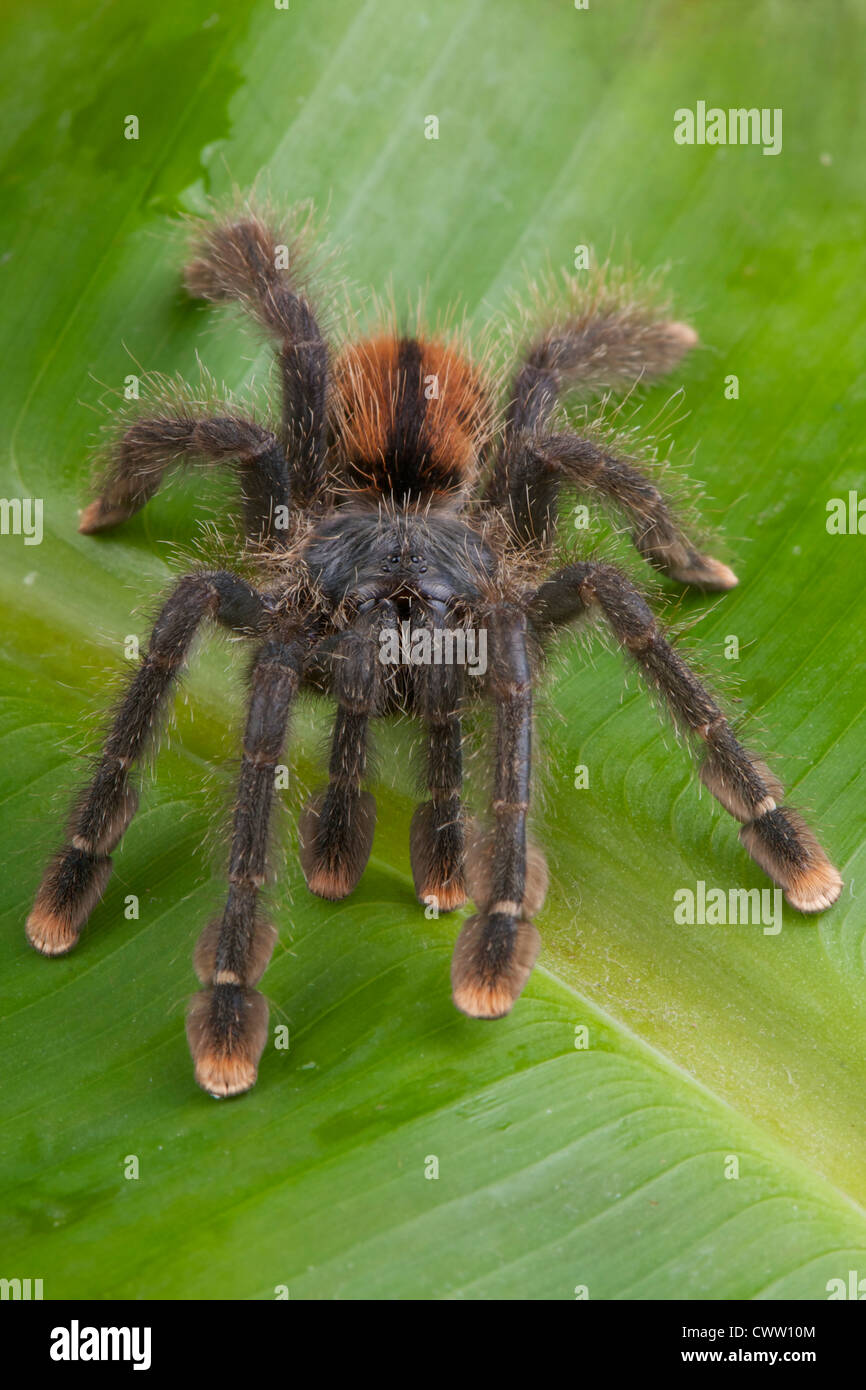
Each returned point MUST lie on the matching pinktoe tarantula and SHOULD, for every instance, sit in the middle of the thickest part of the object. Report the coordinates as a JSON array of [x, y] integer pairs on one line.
[[389, 495]]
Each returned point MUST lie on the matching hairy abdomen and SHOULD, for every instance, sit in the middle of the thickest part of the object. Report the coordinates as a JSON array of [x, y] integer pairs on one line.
[[412, 417]]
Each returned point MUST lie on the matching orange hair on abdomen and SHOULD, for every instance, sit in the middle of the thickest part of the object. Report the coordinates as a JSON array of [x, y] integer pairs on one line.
[[412, 416]]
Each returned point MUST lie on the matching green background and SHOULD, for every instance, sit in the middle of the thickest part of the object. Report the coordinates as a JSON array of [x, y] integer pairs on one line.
[[558, 1167]]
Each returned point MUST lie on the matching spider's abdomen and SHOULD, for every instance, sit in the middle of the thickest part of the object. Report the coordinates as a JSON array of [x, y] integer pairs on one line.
[[412, 417]]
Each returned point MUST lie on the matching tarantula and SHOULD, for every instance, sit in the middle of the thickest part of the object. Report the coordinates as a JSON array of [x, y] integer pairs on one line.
[[390, 494]]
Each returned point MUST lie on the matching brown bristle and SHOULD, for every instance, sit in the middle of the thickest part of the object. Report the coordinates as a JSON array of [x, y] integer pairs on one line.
[[50, 932], [492, 961], [741, 790], [71, 887], [786, 849], [681, 335], [102, 831], [334, 850], [330, 881], [223, 1076], [227, 1028], [229, 257], [479, 861], [261, 949], [436, 856], [449, 896], [816, 888], [96, 518], [412, 415], [705, 572]]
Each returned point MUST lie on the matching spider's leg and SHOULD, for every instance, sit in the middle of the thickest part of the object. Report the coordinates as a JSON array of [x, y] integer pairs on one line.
[[77, 875], [607, 343], [228, 1019], [775, 836], [150, 446], [497, 947], [335, 831], [656, 534], [437, 834], [248, 260]]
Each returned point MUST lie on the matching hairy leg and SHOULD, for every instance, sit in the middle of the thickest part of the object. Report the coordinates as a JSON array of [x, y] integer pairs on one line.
[[437, 834], [149, 447], [497, 947], [227, 1021], [775, 836], [336, 828], [606, 341], [77, 875], [253, 262], [657, 535]]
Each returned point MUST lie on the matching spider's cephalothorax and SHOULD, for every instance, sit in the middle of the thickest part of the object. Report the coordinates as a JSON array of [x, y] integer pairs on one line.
[[389, 501]]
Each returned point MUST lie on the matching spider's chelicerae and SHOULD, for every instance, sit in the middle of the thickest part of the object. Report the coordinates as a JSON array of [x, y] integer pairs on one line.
[[390, 494]]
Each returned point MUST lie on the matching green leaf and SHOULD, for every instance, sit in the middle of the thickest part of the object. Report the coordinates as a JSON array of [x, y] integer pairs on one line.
[[558, 1166]]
